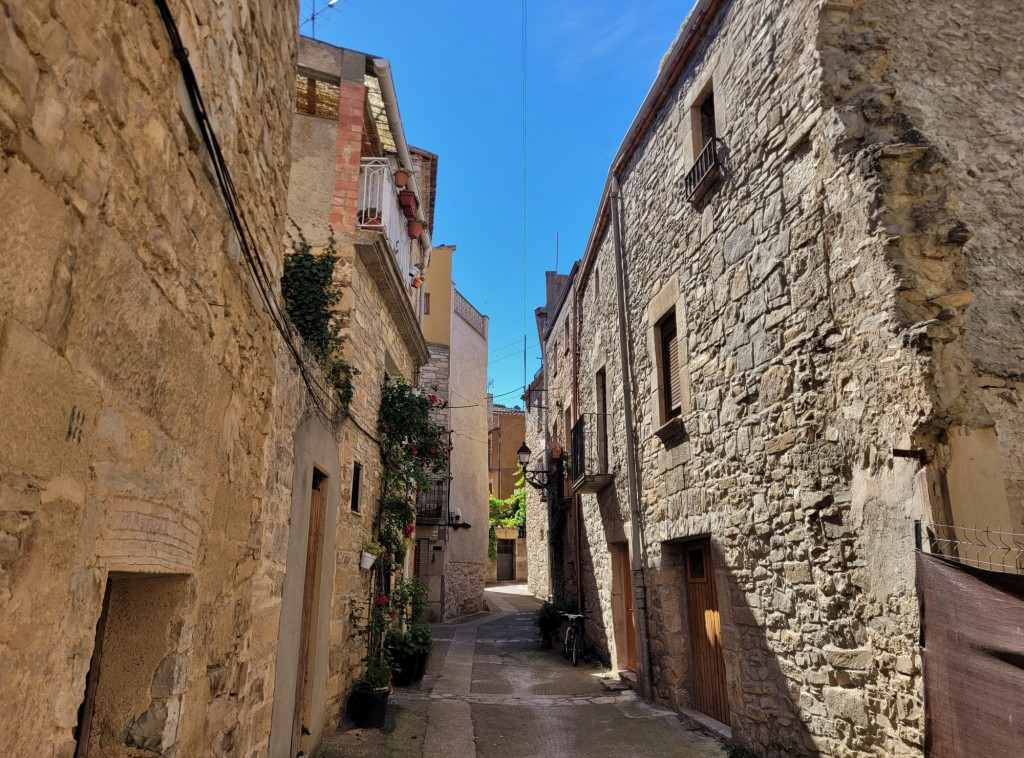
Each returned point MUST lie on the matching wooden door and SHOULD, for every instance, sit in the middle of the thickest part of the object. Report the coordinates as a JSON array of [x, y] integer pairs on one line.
[[710, 695], [506, 560], [622, 607], [310, 598]]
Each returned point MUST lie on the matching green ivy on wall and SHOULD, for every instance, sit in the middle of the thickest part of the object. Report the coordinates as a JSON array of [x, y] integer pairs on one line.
[[307, 287]]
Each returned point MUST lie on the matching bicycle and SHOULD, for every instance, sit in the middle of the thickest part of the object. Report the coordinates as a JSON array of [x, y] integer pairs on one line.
[[575, 645]]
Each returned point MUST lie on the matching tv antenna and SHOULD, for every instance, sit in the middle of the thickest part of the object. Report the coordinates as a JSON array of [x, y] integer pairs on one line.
[[328, 6]]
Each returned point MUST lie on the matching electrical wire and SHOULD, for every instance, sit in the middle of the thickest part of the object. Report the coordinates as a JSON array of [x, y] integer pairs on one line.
[[321, 395]]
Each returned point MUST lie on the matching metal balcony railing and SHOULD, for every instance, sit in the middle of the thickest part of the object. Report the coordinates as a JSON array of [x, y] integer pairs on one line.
[[380, 210], [432, 504], [705, 170], [589, 459]]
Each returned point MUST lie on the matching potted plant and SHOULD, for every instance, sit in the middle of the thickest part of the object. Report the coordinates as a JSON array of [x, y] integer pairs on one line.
[[422, 640], [401, 178], [370, 218], [368, 703], [369, 555], [415, 228], [548, 619], [410, 641]]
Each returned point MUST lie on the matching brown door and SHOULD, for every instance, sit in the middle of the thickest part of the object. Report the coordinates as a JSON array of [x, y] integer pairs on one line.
[[506, 560], [625, 631], [310, 597], [709, 689]]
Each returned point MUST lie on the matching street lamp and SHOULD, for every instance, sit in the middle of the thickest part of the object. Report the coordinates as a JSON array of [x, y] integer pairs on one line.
[[538, 478]]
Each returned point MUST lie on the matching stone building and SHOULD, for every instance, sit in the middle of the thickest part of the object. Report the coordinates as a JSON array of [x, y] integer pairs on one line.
[[181, 503], [348, 145], [148, 403], [506, 432], [451, 523], [822, 271]]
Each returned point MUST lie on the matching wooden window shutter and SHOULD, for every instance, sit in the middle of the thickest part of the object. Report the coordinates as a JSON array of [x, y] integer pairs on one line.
[[673, 392], [422, 557]]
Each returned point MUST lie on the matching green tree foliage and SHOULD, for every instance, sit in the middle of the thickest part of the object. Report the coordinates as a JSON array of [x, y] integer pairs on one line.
[[509, 513]]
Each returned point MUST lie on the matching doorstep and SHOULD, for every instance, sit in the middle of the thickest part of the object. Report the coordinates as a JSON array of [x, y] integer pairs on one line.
[[628, 678]]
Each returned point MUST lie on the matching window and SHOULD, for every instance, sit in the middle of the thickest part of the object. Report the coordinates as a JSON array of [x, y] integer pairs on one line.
[[357, 480], [426, 304], [315, 97], [671, 386], [707, 119], [707, 165], [597, 282]]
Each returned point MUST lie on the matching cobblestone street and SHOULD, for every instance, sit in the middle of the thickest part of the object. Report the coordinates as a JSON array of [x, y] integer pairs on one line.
[[491, 691]]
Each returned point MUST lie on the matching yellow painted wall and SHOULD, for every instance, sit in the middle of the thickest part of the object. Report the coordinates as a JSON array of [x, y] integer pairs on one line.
[[437, 324]]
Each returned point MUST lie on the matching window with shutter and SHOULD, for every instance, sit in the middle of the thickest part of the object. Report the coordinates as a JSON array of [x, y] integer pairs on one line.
[[672, 392], [422, 565]]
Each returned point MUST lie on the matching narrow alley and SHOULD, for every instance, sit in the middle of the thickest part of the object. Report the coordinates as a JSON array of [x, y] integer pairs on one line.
[[489, 687]]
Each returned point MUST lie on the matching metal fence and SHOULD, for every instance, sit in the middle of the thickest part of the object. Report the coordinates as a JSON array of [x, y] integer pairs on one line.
[[983, 547]]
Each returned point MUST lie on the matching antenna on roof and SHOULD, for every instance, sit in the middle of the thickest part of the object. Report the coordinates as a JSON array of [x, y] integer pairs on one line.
[[313, 13]]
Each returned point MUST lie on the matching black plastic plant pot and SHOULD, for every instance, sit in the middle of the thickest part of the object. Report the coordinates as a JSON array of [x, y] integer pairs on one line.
[[421, 666], [368, 708], [404, 672]]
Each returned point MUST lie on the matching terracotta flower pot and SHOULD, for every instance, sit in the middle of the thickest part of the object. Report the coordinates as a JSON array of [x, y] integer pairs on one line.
[[409, 203], [415, 228], [401, 178]]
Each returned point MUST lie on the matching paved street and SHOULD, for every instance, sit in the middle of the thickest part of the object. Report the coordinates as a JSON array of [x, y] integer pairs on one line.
[[490, 691]]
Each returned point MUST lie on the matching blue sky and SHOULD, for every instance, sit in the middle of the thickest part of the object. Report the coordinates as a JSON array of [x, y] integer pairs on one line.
[[458, 70]]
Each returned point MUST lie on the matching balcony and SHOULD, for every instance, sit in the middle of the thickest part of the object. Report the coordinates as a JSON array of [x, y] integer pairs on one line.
[[705, 170], [381, 211], [432, 504], [590, 454]]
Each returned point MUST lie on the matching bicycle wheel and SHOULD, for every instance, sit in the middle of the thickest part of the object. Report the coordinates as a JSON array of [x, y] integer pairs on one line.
[[577, 648], [570, 635]]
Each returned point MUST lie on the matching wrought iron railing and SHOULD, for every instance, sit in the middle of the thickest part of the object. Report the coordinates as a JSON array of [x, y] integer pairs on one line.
[[431, 504], [990, 549], [705, 170], [589, 453], [380, 210]]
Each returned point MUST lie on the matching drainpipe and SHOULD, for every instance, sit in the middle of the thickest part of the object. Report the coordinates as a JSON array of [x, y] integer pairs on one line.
[[635, 553], [387, 90]]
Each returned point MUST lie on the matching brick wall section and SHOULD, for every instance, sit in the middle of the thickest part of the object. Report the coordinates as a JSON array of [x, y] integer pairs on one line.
[[345, 199]]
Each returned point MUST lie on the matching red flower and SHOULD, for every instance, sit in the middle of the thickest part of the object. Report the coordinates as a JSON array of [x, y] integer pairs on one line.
[[433, 399], [414, 451], [391, 614], [382, 601], [410, 529]]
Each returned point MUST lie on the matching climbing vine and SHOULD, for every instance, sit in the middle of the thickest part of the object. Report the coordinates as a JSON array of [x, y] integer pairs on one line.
[[508, 513], [307, 287]]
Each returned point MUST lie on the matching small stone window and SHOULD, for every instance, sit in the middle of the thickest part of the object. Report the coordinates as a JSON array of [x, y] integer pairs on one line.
[[426, 304], [357, 481]]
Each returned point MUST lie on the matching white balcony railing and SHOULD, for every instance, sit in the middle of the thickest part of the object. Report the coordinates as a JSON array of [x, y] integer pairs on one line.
[[379, 210]]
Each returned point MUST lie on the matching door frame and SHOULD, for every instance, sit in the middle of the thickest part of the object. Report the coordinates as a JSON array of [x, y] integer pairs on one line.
[[709, 695]]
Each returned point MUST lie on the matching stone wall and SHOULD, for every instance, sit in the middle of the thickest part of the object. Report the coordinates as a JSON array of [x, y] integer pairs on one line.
[[145, 386], [820, 291], [466, 549], [537, 533]]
